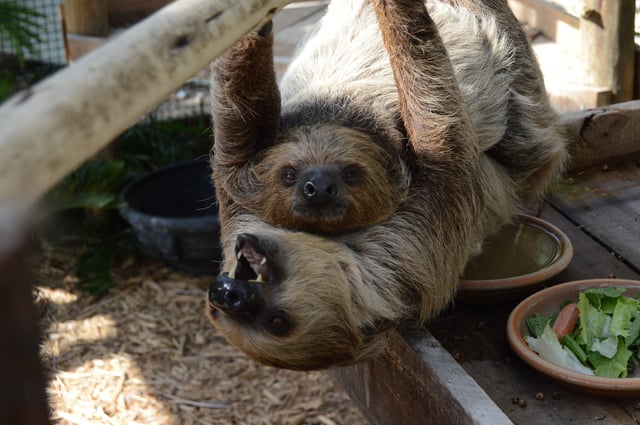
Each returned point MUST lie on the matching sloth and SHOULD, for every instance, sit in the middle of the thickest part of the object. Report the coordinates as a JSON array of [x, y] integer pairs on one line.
[[446, 97], [321, 162]]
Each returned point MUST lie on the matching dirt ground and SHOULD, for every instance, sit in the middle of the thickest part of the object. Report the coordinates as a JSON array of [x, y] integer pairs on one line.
[[146, 354]]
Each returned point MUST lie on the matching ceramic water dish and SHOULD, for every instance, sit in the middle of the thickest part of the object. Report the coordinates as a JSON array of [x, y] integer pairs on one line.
[[174, 214], [546, 302], [515, 261]]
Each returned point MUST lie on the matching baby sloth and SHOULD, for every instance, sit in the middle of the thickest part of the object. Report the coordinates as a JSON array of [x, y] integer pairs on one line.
[[434, 123]]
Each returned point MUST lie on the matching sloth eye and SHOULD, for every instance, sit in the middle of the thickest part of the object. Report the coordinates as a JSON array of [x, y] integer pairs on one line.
[[289, 176], [351, 175], [278, 324]]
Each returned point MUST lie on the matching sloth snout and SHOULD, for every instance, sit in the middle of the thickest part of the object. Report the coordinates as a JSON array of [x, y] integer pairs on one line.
[[236, 298], [320, 187]]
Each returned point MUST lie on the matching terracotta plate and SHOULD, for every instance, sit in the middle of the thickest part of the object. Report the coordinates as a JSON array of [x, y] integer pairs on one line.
[[546, 302], [515, 262]]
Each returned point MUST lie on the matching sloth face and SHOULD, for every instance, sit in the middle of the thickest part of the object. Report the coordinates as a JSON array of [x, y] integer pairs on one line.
[[329, 179], [289, 305]]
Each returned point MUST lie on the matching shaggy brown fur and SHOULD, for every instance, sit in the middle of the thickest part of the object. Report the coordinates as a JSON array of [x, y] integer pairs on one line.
[[453, 91], [326, 177]]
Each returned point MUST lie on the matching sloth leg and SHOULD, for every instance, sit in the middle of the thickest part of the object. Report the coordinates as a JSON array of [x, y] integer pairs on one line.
[[245, 100]]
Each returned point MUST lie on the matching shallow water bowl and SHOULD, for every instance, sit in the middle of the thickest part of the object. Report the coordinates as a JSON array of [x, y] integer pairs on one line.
[[515, 262], [174, 215]]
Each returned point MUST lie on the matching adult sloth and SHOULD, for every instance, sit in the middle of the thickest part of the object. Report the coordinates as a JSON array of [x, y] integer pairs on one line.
[[451, 91]]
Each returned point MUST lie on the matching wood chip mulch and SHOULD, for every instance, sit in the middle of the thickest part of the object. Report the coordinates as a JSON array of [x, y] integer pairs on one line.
[[146, 354]]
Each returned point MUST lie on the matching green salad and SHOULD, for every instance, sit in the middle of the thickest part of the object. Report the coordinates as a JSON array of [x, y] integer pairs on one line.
[[597, 335]]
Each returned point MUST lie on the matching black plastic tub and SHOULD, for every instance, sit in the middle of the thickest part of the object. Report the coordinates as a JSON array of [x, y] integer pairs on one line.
[[174, 214]]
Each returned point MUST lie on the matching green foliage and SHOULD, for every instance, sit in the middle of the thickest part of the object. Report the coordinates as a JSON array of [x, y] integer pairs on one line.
[[94, 185], [19, 26], [155, 144], [107, 240], [7, 85]]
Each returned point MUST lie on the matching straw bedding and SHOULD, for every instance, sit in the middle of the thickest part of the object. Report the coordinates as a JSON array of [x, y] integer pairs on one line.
[[146, 354]]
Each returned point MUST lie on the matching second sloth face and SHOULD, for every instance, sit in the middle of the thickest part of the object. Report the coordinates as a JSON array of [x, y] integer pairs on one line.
[[329, 179]]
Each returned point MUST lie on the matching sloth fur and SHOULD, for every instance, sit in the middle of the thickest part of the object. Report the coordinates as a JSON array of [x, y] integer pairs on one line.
[[448, 101]]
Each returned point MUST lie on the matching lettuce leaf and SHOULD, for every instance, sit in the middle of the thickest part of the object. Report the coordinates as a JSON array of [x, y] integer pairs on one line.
[[593, 322], [625, 309], [615, 367], [549, 348], [537, 323]]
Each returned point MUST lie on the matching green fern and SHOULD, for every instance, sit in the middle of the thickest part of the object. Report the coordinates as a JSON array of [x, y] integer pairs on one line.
[[95, 185], [19, 25]]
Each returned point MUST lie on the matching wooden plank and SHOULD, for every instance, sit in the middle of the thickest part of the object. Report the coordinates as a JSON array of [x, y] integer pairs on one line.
[[403, 387], [475, 335], [606, 204], [601, 135], [607, 46], [590, 259]]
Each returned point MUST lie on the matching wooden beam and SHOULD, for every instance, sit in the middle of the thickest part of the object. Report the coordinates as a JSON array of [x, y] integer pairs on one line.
[[607, 45], [417, 383], [598, 136], [50, 129]]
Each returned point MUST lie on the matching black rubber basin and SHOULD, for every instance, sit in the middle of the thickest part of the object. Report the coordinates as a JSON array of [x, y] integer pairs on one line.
[[174, 214]]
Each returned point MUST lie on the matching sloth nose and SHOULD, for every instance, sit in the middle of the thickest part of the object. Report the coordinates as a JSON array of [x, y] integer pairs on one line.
[[237, 298], [321, 187]]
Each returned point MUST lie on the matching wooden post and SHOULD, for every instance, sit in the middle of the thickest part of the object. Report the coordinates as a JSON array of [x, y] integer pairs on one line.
[[87, 17], [607, 32], [23, 399]]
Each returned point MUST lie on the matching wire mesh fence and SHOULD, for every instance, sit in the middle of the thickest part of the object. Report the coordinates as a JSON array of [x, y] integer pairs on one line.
[[32, 46]]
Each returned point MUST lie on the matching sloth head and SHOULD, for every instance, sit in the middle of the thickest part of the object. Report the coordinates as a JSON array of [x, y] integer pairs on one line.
[[329, 179], [289, 305]]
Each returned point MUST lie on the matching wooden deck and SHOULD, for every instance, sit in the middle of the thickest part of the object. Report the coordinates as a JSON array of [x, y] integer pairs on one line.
[[600, 212]]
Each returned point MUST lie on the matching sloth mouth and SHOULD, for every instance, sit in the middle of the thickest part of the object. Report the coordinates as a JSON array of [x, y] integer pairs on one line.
[[316, 212], [241, 292], [252, 263]]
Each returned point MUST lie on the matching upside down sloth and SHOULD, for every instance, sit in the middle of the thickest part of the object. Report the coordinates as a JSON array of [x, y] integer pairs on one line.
[[422, 128]]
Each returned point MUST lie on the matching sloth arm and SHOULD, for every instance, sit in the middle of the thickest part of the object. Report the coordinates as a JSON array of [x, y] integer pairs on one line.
[[245, 101], [435, 117], [411, 262]]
